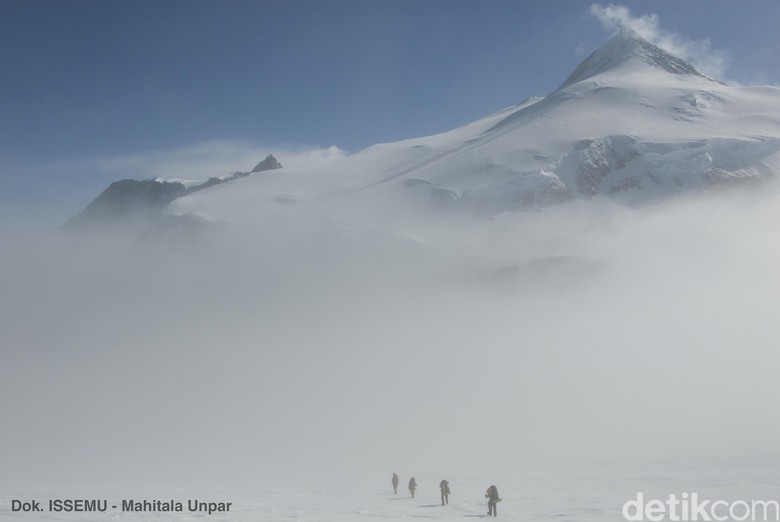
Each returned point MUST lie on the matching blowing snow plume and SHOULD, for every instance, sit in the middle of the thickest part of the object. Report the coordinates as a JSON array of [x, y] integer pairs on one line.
[[700, 52]]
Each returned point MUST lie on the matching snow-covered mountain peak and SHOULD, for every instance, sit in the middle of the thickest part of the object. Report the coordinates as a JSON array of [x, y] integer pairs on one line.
[[633, 123], [628, 50]]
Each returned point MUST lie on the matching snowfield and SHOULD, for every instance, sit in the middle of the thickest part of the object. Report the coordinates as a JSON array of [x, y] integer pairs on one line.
[[579, 493]]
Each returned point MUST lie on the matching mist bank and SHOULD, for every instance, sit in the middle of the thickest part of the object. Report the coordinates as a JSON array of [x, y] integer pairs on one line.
[[584, 333]]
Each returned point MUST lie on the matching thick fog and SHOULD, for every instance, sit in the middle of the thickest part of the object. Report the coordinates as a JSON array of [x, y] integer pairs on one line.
[[583, 333]]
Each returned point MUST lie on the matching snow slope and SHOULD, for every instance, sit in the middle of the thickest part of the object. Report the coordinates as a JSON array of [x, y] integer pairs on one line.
[[632, 123]]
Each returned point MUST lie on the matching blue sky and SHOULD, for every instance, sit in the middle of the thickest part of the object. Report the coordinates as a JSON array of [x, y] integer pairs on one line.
[[88, 82]]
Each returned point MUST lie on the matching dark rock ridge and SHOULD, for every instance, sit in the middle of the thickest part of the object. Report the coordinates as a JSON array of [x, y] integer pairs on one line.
[[215, 181], [269, 163], [128, 199], [144, 200]]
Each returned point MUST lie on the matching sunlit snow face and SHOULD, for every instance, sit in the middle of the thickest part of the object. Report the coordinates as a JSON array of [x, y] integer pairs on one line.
[[581, 332]]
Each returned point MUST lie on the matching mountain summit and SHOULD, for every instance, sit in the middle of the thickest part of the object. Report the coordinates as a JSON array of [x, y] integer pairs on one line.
[[269, 163], [628, 51]]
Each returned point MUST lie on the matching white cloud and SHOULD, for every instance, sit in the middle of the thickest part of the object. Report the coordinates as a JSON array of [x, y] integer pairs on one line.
[[700, 53], [297, 334]]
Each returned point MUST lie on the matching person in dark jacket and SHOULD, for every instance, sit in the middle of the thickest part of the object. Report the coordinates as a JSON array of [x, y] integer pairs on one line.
[[444, 486], [412, 486], [492, 495], [395, 483]]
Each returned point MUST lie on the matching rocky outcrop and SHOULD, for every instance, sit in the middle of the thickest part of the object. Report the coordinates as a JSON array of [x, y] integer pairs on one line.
[[127, 200], [269, 163], [143, 201]]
